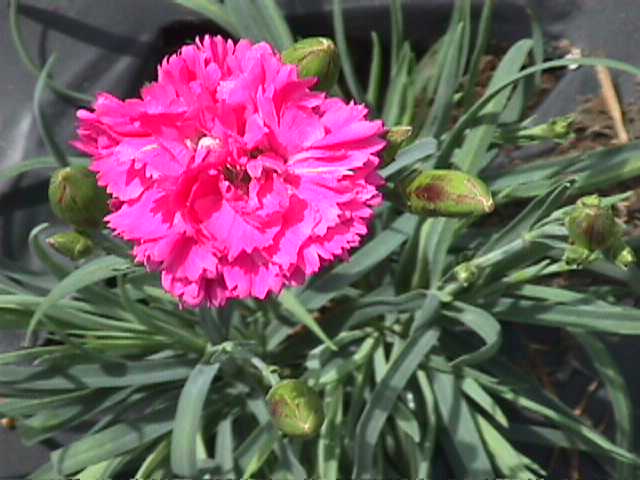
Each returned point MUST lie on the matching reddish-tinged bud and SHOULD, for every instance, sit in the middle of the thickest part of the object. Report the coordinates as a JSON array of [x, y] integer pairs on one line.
[[76, 198], [296, 408]]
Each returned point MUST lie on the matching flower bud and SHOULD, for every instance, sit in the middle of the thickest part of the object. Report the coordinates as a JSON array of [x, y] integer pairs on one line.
[[315, 57], [396, 137], [73, 245], [559, 129], [76, 198], [592, 226], [448, 193], [466, 273], [623, 255], [296, 408]]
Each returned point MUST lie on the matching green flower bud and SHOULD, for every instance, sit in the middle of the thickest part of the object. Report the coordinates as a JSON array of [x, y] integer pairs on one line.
[[396, 137], [559, 129], [315, 57], [296, 408], [592, 226], [73, 245], [448, 193], [623, 255], [466, 273], [76, 198]]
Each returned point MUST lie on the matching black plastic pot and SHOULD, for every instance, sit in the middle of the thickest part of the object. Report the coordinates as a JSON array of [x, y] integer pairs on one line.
[[115, 46]]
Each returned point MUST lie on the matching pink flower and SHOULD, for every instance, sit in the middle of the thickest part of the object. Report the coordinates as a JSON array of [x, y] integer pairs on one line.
[[232, 177]]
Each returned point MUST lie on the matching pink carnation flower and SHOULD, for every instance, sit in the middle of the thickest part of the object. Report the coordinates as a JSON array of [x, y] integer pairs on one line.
[[232, 177]]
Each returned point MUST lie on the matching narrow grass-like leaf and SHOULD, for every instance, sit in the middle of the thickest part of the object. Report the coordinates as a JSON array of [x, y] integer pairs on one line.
[[394, 101], [249, 21], [89, 274], [214, 10], [453, 139], [154, 461], [440, 112], [78, 376], [43, 126], [254, 451], [348, 69], [372, 420], [291, 304], [510, 462], [277, 24], [375, 72], [617, 320], [466, 448], [539, 209], [379, 248], [397, 33], [482, 39], [330, 441], [482, 323], [532, 398], [188, 420], [107, 444], [431, 427], [618, 395], [225, 442], [104, 470], [472, 153], [410, 155], [537, 35], [27, 166], [477, 394]]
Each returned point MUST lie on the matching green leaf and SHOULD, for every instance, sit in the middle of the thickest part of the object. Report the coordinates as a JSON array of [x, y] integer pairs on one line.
[[408, 156], [482, 39], [615, 319], [423, 339], [214, 10], [465, 122], [331, 434], [43, 126], [109, 443], [249, 21], [255, 450], [154, 461], [509, 461], [78, 376], [482, 323], [431, 427], [394, 101], [276, 23], [537, 210], [27, 166], [375, 72], [103, 470], [88, 274], [348, 69], [225, 446], [618, 394], [466, 449], [189, 418], [327, 286], [292, 305], [478, 395], [440, 112], [471, 155]]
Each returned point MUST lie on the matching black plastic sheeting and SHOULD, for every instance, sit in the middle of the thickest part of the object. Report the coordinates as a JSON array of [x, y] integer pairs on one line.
[[115, 45]]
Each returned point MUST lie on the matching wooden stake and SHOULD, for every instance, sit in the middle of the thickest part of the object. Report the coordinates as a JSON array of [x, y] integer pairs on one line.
[[612, 103]]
